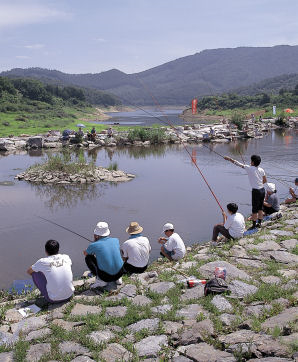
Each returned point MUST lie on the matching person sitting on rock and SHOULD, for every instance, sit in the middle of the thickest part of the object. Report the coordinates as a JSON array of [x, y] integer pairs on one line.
[[93, 134], [52, 275], [293, 193], [173, 247], [233, 225], [103, 257], [271, 202], [136, 250]]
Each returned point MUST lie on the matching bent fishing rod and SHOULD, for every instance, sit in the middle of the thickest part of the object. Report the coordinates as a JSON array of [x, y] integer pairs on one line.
[[65, 228]]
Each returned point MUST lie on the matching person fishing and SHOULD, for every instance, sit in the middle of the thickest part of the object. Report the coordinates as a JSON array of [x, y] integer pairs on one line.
[[173, 247], [271, 201], [293, 193], [233, 225], [52, 275], [103, 257], [136, 250], [257, 179]]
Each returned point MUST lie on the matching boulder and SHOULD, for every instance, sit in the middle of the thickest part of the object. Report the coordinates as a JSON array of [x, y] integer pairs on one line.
[[37, 351], [40, 333], [150, 346], [116, 311], [282, 320], [222, 304], [73, 347], [29, 324], [207, 270], [150, 324], [283, 257], [34, 142], [241, 289]]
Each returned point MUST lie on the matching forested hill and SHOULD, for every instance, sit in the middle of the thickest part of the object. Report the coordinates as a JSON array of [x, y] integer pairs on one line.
[[176, 82]]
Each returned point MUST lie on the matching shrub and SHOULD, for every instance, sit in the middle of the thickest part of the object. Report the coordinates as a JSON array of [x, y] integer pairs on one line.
[[143, 134], [237, 119]]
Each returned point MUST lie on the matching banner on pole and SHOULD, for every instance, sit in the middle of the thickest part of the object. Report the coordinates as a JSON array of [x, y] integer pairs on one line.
[[194, 105], [274, 110]]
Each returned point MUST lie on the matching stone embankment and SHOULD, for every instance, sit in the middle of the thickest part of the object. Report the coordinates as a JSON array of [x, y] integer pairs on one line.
[[154, 317]]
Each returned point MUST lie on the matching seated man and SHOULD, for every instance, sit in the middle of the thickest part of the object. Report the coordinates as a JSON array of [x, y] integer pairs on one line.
[[233, 225], [93, 134], [52, 275], [271, 202], [173, 246], [293, 196], [136, 250], [103, 257]]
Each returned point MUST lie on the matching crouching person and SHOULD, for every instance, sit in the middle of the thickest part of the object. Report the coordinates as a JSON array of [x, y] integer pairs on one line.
[[173, 246], [233, 225], [103, 257], [52, 275], [136, 250]]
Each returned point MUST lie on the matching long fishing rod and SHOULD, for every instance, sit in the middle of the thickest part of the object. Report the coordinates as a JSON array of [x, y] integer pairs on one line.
[[65, 228]]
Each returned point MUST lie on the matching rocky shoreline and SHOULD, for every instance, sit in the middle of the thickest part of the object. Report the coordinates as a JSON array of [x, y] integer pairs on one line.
[[155, 317]]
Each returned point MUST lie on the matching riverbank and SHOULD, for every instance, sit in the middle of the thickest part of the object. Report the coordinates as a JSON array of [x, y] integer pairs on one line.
[[154, 316]]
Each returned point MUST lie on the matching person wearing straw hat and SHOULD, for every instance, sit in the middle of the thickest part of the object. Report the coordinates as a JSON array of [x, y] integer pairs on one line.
[[136, 250], [103, 257], [173, 247], [271, 202]]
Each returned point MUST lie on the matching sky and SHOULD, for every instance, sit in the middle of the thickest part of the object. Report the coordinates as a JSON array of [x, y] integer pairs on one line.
[[91, 36]]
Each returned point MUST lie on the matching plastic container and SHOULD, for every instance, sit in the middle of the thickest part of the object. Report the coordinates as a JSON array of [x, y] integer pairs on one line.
[[194, 282], [220, 272]]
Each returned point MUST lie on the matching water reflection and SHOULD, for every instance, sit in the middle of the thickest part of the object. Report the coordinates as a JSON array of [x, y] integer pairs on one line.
[[143, 152]]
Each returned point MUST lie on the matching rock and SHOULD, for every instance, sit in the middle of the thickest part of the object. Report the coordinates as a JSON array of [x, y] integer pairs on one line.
[[185, 265], [37, 351], [101, 336], [35, 142], [283, 257], [270, 359], [82, 309], [267, 237], [281, 301], [256, 310], [288, 273], [161, 287], [271, 279], [265, 246], [150, 324], [141, 300], [251, 263], [29, 324], [171, 327], [7, 339], [241, 289], [282, 320], [227, 319], [73, 347], [116, 311], [292, 222], [40, 333], [194, 333], [238, 251], [82, 359], [68, 326], [115, 352], [181, 359], [281, 232], [6, 357], [12, 315], [162, 309], [193, 293], [221, 304], [191, 311], [57, 310], [289, 244], [207, 270], [151, 346], [130, 290], [203, 352]]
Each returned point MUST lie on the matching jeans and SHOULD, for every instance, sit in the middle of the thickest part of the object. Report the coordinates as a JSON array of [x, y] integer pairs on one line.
[[219, 228]]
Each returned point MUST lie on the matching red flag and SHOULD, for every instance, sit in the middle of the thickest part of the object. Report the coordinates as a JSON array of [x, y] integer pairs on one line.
[[194, 105], [194, 156]]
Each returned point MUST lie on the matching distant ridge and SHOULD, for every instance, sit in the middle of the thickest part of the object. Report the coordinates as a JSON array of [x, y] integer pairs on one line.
[[176, 82]]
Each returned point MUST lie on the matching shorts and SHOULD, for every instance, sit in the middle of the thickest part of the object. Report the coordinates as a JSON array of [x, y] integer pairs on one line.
[[258, 196]]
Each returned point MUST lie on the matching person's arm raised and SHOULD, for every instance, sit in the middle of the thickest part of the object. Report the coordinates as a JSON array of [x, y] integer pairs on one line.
[[235, 162]]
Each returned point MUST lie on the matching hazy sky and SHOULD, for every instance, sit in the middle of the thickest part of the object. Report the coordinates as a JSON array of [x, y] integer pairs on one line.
[[81, 36]]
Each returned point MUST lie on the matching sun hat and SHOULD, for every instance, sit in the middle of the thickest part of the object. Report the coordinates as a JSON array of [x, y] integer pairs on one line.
[[134, 228], [270, 187], [102, 229], [167, 226]]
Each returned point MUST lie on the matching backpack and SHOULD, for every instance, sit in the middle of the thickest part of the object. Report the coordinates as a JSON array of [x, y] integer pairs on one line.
[[215, 286]]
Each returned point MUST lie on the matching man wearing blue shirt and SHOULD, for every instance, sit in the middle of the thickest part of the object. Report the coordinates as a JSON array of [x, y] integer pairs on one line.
[[103, 257]]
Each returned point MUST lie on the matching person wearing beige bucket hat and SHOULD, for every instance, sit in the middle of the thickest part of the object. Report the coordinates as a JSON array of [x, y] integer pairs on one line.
[[271, 202], [136, 250], [103, 257]]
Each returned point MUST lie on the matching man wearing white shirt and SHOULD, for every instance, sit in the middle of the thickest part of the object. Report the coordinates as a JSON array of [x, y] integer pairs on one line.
[[52, 275], [173, 246]]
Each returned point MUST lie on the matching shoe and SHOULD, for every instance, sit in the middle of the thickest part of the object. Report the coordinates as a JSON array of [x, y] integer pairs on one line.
[[119, 281], [98, 283], [258, 225], [252, 228]]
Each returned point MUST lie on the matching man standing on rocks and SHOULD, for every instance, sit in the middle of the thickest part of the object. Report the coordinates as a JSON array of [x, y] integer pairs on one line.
[[52, 275], [173, 246], [136, 250], [103, 257], [257, 179]]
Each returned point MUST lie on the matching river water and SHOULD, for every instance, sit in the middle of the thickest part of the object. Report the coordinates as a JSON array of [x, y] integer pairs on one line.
[[167, 188]]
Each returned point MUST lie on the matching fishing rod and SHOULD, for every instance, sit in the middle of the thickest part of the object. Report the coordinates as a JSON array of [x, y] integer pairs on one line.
[[65, 228]]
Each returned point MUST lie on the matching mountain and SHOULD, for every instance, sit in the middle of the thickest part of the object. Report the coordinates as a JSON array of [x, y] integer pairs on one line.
[[177, 82]]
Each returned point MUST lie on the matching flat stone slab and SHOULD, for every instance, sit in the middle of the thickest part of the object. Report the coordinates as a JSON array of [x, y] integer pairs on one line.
[[194, 333], [271, 279], [271, 359], [73, 347], [283, 257], [150, 324], [116, 311], [101, 336], [162, 309], [150, 346], [241, 289], [68, 326], [129, 290], [115, 352], [267, 245], [161, 287], [281, 232], [13, 316], [191, 311], [40, 333], [289, 244], [193, 293], [221, 303], [29, 324], [6, 357], [82, 310], [82, 359], [37, 351], [141, 300], [227, 319], [288, 273], [250, 263], [203, 352], [171, 327], [281, 320], [207, 270]]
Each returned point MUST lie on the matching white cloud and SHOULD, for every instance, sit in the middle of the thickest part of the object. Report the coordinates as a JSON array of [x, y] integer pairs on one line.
[[18, 14], [34, 46], [22, 57]]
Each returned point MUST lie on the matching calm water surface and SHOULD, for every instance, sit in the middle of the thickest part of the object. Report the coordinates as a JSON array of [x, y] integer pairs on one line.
[[167, 188]]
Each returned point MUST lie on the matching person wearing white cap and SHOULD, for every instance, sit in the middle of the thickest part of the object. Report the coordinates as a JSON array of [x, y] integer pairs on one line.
[[136, 250], [173, 247], [103, 257], [271, 202]]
